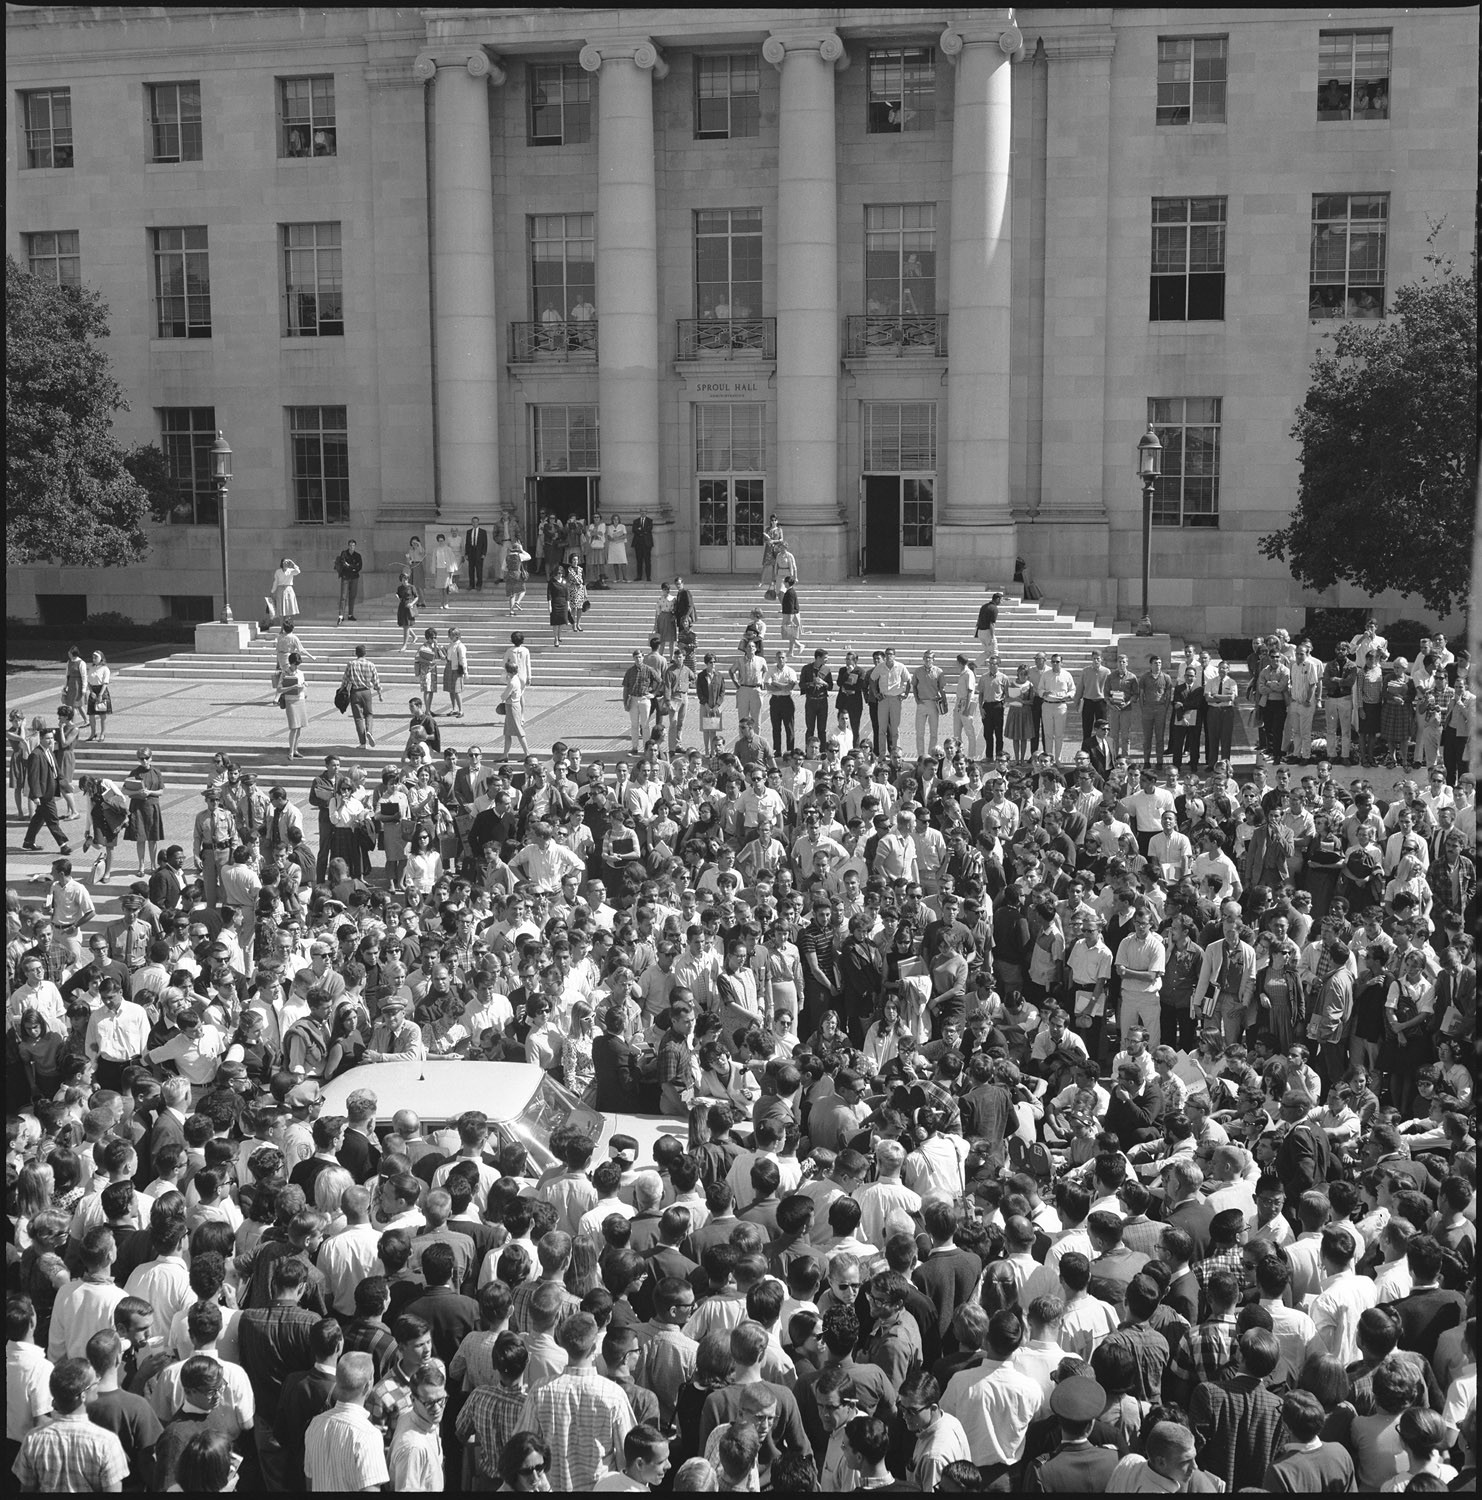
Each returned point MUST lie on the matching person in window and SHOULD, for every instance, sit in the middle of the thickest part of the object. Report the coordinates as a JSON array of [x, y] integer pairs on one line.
[[550, 328], [1364, 305], [324, 143], [1332, 101], [583, 337], [296, 142]]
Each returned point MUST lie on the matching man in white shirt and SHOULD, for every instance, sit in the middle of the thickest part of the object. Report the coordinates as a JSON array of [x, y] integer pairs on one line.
[[38, 993], [1055, 687], [348, 1257], [1345, 1298], [1305, 698], [995, 1401], [965, 722], [1213, 861], [1140, 960]]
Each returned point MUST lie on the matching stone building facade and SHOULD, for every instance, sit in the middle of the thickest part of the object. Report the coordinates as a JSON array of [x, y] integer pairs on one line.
[[915, 281]]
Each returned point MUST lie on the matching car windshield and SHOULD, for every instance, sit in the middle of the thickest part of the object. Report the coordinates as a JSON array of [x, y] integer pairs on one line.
[[549, 1107]]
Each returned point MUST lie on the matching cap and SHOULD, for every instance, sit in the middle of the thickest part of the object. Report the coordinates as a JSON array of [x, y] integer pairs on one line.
[[1078, 1399], [301, 1095]]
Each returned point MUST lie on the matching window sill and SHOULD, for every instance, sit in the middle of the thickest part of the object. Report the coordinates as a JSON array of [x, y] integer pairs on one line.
[[311, 340], [42, 171], [168, 166], [1197, 127], [304, 161], [1184, 325]]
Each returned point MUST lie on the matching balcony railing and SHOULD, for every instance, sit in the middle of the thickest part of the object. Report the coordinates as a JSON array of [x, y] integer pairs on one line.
[[572, 341], [871, 336], [727, 338]]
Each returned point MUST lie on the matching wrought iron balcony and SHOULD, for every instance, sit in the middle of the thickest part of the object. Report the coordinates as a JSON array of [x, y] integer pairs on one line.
[[569, 341], [727, 338], [873, 336]]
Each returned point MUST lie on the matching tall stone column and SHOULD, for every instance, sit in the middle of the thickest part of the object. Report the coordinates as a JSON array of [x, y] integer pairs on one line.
[[975, 534], [465, 314], [808, 301], [627, 272]]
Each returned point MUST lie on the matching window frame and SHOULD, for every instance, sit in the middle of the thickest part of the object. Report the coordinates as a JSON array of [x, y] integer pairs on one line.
[[709, 439], [901, 231], [1173, 434], [878, 101], [751, 114], [731, 237], [324, 286], [189, 256], [1163, 279], [182, 124], [1190, 86], [56, 257], [1319, 291], [572, 291], [54, 147], [321, 133], [198, 432], [300, 434], [543, 412], [1352, 80], [873, 412], [579, 104]]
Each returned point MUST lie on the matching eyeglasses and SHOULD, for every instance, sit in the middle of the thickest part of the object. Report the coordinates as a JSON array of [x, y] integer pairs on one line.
[[529, 1471]]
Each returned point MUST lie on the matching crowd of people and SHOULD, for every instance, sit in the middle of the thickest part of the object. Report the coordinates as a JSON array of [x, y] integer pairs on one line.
[[1054, 1120]]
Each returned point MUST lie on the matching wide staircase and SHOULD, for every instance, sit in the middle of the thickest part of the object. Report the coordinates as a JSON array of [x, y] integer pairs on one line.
[[862, 616]]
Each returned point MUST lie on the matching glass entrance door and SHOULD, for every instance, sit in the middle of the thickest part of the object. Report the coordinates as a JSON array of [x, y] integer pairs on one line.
[[732, 518]]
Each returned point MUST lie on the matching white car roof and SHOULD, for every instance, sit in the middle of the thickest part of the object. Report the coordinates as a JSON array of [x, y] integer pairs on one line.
[[438, 1089]]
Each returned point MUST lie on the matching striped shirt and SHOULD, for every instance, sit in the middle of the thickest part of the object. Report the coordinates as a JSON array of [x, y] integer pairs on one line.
[[71, 1455], [584, 1419], [361, 676], [519, 1310], [342, 1451], [492, 1414]]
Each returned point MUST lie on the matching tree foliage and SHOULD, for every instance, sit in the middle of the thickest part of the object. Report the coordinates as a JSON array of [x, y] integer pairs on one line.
[[73, 495], [1388, 435]]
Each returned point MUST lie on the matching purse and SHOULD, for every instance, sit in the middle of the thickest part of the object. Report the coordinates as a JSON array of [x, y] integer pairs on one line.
[[342, 698], [586, 604], [710, 721]]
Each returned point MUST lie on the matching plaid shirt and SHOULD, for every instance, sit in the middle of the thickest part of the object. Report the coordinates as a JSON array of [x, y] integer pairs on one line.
[[492, 1414], [938, 1097], [1222, 1260], [371, 1336], [1207, 1352], [389, 1398], [519, 1308], [1143, 1235], [361, 676]]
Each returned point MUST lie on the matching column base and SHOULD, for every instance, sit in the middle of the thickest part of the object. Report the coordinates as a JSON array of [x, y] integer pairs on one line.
[[822, 550], [1137, 649], [980, 551], [217, 638]]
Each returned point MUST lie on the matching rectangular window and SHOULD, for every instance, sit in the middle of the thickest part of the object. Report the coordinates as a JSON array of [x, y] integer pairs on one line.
[[902, 90], [1188, 279], [306, 116], [730, 439], [1353, 75], [1188, 493], [175, 120], [560, 104], [563, 266], [900, 437], [46, 116], [918, 511], [182, 283], [320, 443], [193, 609], [61, 610], [186, 435], [1348, 252], [726, 97], [313, 285], [900, 259], [728, 263], [1191, 80], [564, 439], [54, 256]]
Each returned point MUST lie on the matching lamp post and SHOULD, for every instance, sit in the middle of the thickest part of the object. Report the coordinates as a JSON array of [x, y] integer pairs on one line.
[[221, 474], [1149, 467]]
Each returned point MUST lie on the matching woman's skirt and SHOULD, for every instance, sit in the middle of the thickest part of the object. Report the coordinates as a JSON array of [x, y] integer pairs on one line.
[[668, 628], [514, 581], [344, 843], [296, 711], [785, 997], [393, 840], [560, 614], [405, 619], [66, 769], [286, 601], [106, 823], [617, 552], [1371, 718], [452, 678], [1016, 722], [146, 821], [99, 700], [418, 570], [1394, 725]]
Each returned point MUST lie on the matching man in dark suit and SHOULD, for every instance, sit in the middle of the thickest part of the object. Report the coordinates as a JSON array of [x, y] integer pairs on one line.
[[451, 1315], [475, 549], [167, 884], [1428, 1311], [684, 607], [615, 1063], [168, 1128], [44, 786], [643, 545], [1304, 1155], [949, 1273]]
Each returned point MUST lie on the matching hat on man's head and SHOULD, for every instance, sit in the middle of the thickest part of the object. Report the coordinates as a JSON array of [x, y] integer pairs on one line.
[[1078, 1399], [302, 1095]]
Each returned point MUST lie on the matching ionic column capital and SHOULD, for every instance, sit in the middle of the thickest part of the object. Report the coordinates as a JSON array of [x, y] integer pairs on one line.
[[478, 65], [640, 51], [827, 44], [999, 31]]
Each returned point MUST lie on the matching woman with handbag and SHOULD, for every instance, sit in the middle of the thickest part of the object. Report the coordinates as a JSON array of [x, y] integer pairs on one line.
[[558, 596], [108, 811], [710, 691], [416, 565], [455, 672], [99, 696], [617, 549], [18, 743], [516, 574], [292, 698], [74, 690], [67, 736], [146, 825], [666, 626], [393, 813], [407, 600], [445, 569], [512, 706]]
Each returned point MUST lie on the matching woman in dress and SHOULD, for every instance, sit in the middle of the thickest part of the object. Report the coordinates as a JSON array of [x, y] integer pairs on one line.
[[455, 671], [736, 988], [617, 549], [444, 568], [406, 609], [393, 813], [772, 544], [620, 848], [67, 736], [108, 811], [40, 1051], [424, 865], [146, 824], [1408, 1013], [422, 802], [558, 596], [99, 696], [512, 707], [293, 690], [416, 565], [285, 596], [1324, 864], [74, 690], [1280, 995], [1368, 706], [597, 550], [347, 815], [710, 693], [576, 1052], [723, 1079], [1395, 713], [666, 627], [577, 584], [18, 743], [516, 574], [1016, 714]]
